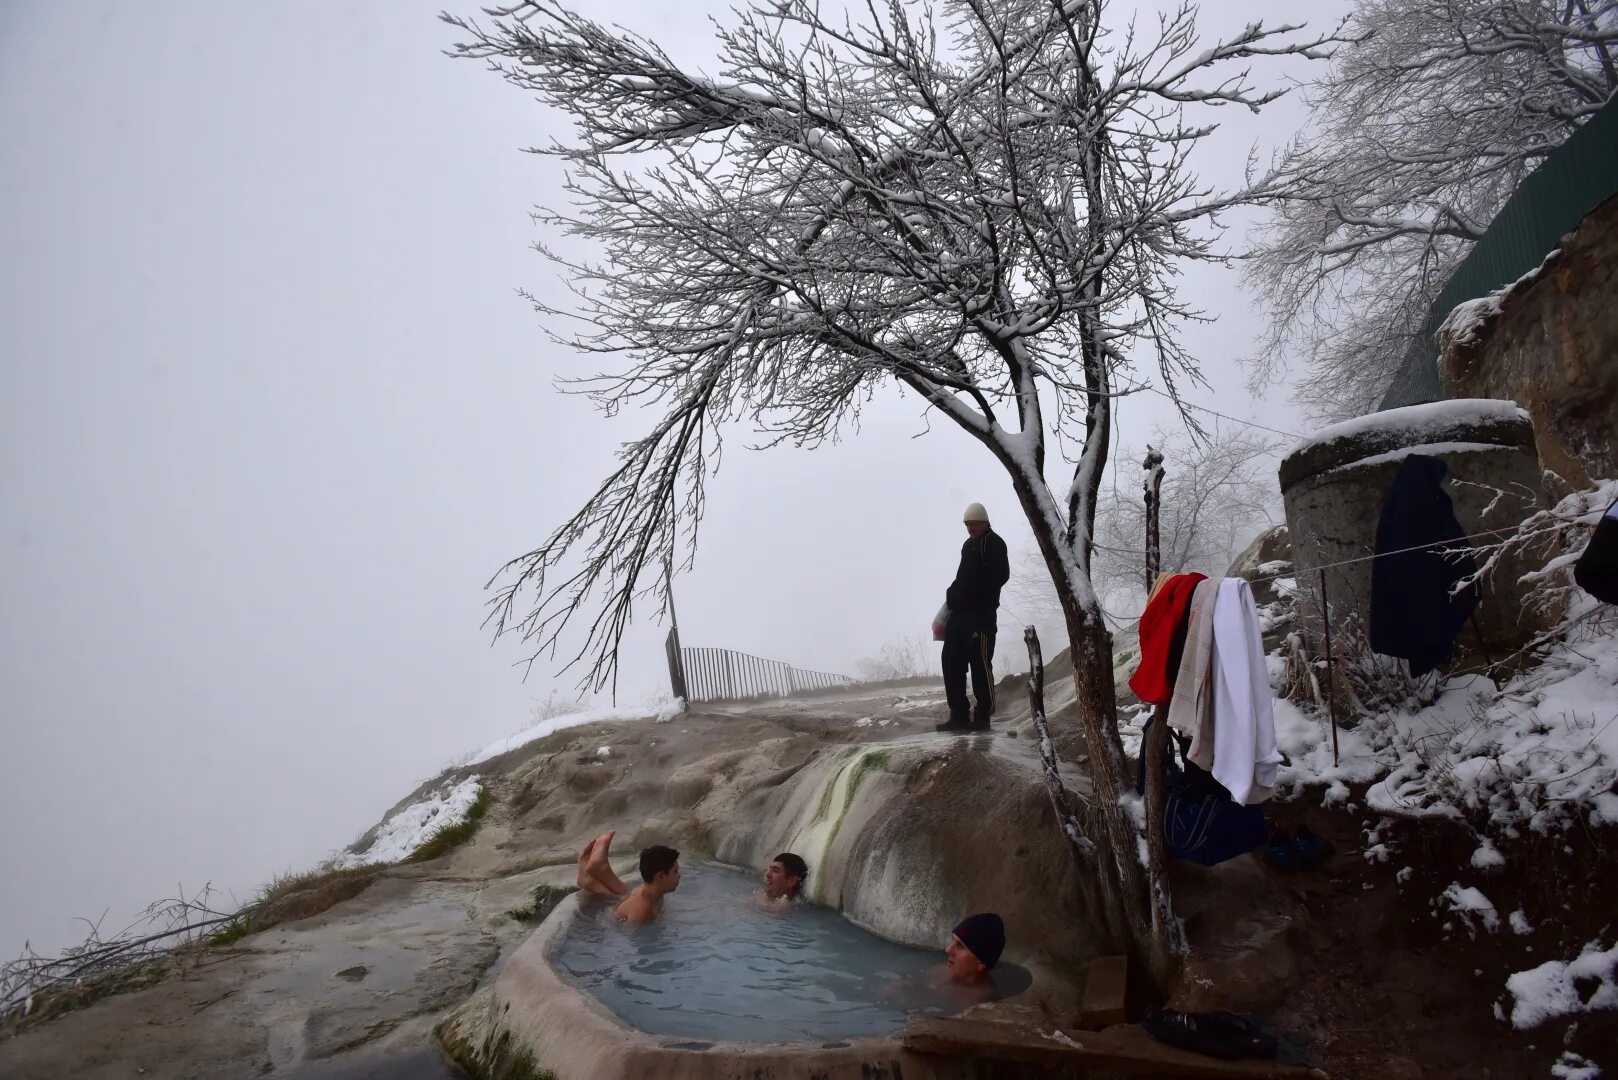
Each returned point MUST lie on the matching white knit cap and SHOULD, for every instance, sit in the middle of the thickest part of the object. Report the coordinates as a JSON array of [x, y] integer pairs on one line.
[[975, 512]]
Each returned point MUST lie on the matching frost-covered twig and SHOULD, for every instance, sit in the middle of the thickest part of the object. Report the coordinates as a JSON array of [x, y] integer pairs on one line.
[[183, 919]]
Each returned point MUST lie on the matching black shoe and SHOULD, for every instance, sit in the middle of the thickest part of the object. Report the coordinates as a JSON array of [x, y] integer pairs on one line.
[[980, 725], [1313, 849], [1281, 853], [953, 726]]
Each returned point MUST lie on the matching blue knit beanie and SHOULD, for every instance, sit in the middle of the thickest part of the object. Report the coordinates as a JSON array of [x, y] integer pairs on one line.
[[984, 935]]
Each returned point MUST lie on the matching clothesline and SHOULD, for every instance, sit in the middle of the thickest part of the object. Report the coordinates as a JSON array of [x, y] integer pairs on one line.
[[1222, 416], [1297, 571]]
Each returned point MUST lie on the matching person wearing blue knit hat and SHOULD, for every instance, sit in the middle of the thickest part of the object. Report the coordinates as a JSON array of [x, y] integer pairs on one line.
[[975, 947]]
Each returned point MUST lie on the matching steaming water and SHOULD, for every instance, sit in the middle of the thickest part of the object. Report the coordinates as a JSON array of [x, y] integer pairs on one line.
[[716, 966]]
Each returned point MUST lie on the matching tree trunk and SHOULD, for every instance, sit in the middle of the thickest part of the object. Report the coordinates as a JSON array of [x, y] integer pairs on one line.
[[1124, 888]]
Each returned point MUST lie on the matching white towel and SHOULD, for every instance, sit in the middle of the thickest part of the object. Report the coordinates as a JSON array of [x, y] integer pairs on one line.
[[1188, 708], [1245, 756]]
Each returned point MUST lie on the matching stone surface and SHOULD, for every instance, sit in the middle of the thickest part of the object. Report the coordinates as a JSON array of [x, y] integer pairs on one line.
[[908, 837], [1551, 348], [286, 998]]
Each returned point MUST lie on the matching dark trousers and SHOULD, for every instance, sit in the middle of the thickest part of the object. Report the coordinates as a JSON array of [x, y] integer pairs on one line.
[[965, 649]]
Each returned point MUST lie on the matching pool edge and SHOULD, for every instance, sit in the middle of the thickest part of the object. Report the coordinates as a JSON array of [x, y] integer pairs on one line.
[[532, 1020]]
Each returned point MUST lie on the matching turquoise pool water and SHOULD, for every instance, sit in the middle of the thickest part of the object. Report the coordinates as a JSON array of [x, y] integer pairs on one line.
[[718, 967]]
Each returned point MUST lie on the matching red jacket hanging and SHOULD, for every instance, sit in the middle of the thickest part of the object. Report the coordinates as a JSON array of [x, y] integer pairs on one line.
[[1153, 681]]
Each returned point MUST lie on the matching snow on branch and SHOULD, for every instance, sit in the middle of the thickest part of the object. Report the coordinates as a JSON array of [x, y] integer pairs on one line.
[[1419, 133]]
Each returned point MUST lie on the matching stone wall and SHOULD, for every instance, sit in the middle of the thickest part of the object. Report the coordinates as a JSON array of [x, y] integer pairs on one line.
[[1334, 486], [1550, 343]]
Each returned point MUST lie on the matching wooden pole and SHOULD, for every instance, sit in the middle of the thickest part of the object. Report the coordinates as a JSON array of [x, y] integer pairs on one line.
[[1155, 746], [676, 656], [1154, 497], [1331, 681]]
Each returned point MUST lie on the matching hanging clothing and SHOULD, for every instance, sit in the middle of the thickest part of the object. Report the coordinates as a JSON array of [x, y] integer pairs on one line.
[[1191, 707], [1245, 755], [1413, 614], [1596, 572], [1162, 624]]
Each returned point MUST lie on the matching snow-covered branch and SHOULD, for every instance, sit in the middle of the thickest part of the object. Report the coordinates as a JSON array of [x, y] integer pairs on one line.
[[1421, 130]]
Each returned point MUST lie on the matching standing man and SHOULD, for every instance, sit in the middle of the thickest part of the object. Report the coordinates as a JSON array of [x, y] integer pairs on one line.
[[973, 599]]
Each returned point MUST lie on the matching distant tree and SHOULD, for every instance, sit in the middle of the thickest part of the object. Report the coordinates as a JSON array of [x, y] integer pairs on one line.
[[1420, 132], [900, 658], [992, 222], [1218, 493]]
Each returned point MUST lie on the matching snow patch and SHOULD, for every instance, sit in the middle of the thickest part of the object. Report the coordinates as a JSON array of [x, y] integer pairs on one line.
[[1471, 907], [1571, 1066], [1469, 317], [1519, 923], [1417, 423], [663, 713], [1429, 449], [407, 830], [1487, 856], [1550, 991]]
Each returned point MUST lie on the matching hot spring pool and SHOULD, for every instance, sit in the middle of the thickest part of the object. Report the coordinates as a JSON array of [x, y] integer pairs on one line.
[[717, 967]]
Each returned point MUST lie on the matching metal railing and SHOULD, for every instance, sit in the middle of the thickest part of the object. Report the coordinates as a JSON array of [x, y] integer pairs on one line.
[[715, 674]]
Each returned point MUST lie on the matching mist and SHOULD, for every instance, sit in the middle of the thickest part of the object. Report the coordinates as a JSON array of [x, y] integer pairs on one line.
[[273, 414]]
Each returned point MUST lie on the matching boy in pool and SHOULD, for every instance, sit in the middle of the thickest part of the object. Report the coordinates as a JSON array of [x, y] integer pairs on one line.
[[659, 871], [974, 948], [783, 881], [660, 875]]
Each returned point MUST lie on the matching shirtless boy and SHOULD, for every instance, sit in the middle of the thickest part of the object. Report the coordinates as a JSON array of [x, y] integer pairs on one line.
[[659, 873]]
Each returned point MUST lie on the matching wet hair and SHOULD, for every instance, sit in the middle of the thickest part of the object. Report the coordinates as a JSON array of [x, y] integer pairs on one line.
[[795, 867], [655, 860]]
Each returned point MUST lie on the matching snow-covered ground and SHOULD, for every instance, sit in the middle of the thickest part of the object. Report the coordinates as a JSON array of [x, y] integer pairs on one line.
[[405, 831], [1534, 752], [663, 712]]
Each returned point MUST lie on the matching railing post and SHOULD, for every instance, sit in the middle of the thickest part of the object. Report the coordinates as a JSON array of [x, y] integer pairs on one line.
[[676, 666]]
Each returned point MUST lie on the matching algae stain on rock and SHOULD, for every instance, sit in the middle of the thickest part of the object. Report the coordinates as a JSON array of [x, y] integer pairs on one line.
[[843, 781]]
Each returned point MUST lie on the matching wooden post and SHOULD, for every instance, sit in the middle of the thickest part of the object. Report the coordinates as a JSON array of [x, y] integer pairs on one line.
[[677, 680], [676, 666], [1331, 671], [1165, 927], [1154, 489]]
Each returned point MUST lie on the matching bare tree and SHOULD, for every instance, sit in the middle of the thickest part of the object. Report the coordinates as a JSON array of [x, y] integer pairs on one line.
[[1420, 133], [1219, 492], [984, 207], [900, 658]]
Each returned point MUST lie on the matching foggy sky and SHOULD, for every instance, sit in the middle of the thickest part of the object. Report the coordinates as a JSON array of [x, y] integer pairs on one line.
[[272, 414]]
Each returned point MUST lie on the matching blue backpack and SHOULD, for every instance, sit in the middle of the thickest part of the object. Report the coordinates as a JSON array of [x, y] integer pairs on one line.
[[1201, 823]]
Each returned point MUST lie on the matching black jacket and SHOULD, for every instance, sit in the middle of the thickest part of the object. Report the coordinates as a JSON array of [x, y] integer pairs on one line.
[[1597, 569], [1413, 614], [974, 596]]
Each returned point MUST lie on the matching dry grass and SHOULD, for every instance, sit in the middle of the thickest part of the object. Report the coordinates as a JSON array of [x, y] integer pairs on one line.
[[292, 897], [58, 1001]]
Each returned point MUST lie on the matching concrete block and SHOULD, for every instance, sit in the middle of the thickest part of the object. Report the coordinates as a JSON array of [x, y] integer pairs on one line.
[[1106, 993]]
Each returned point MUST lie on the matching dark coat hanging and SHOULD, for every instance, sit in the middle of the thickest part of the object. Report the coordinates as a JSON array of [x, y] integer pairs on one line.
[[1597, 569], [1413, 614]]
